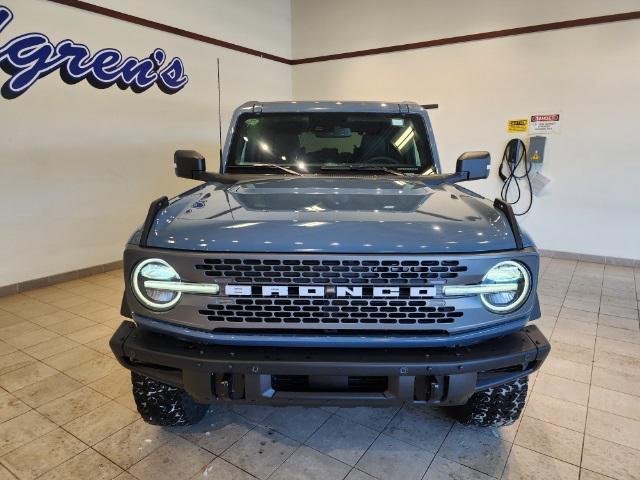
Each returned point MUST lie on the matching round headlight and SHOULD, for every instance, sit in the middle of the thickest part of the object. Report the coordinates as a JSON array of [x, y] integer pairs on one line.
[[155, 271], [517, 281]]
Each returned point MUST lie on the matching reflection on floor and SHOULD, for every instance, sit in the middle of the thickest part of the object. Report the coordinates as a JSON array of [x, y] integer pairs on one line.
[[66, 410]]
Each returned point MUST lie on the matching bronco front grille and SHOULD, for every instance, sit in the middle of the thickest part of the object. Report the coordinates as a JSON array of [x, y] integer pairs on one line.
[[330, 311], [330, 272]]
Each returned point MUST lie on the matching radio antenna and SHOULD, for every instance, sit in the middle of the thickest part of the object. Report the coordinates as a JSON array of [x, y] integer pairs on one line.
[[219, 113]]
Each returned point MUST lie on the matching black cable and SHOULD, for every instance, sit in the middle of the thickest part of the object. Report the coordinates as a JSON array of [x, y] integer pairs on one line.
[[512, 179]]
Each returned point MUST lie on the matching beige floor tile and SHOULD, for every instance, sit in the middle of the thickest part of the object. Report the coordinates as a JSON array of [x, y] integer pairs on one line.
[[86, 465], [5, 474], [260, 452], [73, 405], [14, 361], [50, 347], [127, 401], [16, 329], [394, 459], [618, 322], [69, 301], [614, 361], [475, 449], [296, 422], [559, 412], [573, 338], [24, 376], [101, 344], [94, 369], [72, 358], [562, 388], [43, 454], [441, 469], [217, 431], [567, 369], [222, 470], [71, 325], [90, 334], [175, 460], [48, 389], [34, 309], [31, 338], [613, 428], [619, 311], [308, 464], [615, 346], [416, 426], [134, 442], [115, 384], [343, 439], [375, 418], [573, 353], [568, 325], [617, 380], [615, 461], [11, 406], [582, 303], [6, 348], [579, 315], [549, 439], [127, 476], [87, 308], [23, 429], [620, 334], [98, 424], [589, 475], [611, 401], [530, 465], [53, 318]]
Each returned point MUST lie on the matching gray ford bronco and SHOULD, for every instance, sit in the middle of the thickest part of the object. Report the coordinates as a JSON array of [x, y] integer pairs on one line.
[[330, 262]]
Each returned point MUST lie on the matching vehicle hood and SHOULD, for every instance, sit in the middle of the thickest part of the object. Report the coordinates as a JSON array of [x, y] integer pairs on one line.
[[332, 215]]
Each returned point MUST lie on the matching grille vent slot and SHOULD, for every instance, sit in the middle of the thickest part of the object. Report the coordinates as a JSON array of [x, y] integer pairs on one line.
[[329, 272], [331, 311]]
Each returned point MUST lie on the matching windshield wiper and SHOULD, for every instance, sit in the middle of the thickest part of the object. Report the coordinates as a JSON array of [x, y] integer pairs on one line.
[[271, 165], [364, 168]]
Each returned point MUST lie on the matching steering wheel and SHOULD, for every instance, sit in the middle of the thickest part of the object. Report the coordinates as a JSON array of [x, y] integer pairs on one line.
[[393, 160]]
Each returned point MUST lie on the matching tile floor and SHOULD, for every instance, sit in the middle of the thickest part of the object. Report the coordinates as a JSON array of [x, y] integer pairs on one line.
[[66, 410]]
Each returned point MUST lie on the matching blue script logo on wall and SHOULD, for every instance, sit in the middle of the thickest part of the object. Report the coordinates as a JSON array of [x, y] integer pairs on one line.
[[32, 56]]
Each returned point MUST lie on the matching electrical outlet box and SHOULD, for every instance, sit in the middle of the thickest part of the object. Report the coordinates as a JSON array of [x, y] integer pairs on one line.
[[536, 149]]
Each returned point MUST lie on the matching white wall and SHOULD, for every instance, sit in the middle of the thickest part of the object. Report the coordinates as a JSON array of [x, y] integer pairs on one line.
[[79, 166], [589, 74]]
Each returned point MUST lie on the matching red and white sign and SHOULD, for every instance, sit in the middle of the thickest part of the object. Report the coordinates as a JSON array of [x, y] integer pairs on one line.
[[545, 123]]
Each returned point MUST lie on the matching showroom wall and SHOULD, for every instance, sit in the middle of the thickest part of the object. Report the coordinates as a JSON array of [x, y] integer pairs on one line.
[[589, 75], [80, 165]]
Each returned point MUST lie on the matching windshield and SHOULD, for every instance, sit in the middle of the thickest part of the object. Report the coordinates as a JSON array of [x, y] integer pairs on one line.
[[321, 142]]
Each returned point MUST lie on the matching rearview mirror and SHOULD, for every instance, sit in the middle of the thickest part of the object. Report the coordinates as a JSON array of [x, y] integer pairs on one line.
[[473, 165], [189, 164]]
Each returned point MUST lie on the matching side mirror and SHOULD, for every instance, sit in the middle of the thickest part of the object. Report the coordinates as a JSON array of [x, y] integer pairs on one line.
[[473, 165], [189, 164]]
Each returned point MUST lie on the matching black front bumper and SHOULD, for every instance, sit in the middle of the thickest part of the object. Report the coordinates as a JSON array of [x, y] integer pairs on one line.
[[329, 376]]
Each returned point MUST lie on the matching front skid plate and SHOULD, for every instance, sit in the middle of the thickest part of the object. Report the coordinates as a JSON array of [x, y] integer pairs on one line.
[[200, 368]]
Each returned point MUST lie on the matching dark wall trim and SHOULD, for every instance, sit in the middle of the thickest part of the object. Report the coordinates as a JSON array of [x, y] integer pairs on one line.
[[509, 32], [107, 12]]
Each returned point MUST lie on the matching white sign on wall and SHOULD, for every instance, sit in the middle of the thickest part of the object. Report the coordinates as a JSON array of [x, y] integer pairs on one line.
[[545, 123]]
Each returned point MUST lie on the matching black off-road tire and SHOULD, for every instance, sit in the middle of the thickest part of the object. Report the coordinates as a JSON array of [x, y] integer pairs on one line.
[[162, 404], [494, 407]]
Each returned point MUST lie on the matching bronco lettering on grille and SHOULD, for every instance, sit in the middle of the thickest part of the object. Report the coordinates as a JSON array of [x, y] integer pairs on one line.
[[328, 292]]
